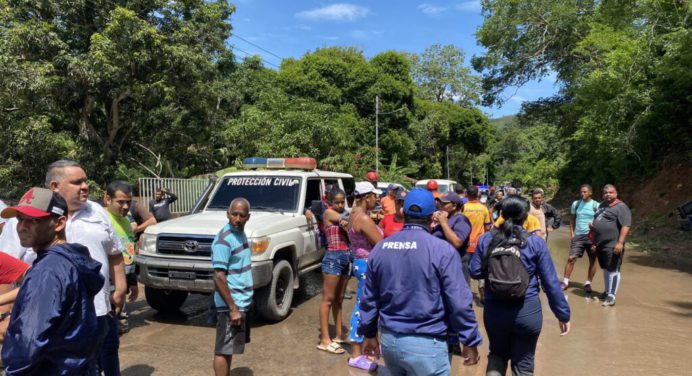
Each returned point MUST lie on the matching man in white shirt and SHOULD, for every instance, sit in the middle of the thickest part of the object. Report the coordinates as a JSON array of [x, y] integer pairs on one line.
[[88, 224]]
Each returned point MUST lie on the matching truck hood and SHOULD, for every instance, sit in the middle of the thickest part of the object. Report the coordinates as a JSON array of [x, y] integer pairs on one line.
[[210, 223]]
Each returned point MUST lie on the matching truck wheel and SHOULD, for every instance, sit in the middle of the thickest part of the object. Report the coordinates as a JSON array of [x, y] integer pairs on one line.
[[165, 301], [274, 300]]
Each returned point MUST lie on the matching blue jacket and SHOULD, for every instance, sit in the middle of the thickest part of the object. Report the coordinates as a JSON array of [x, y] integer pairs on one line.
[[536, 258], [461, 225], [53, 325], [415, 285]]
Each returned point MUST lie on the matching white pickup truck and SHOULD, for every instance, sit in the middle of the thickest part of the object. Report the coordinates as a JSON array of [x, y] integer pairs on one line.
[[175, 256]]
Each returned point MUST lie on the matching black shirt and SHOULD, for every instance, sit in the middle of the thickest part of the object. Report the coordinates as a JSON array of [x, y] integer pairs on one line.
[[160, 209], [608, 221]]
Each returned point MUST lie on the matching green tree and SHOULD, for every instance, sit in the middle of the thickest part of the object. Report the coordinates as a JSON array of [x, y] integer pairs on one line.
[[111, 75], [441, 74], [623, 68]]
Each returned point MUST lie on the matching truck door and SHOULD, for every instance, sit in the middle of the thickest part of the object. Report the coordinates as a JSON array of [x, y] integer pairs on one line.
[[312, 249]]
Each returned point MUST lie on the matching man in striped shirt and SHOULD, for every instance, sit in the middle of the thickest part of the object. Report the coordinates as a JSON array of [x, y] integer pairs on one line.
[[233, 280]]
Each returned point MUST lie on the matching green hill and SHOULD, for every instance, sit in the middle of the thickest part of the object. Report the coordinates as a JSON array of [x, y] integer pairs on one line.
[[501, 122]]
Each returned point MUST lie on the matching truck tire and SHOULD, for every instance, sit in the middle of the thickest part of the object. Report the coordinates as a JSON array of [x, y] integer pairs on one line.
[[274, 300], [165, 301]]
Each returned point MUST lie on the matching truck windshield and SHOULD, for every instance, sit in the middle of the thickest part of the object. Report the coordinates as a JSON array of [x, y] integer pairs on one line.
[[269, 193]]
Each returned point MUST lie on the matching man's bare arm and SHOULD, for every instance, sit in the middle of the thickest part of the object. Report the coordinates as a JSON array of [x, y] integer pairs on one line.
[[225, 292], [116, 265]]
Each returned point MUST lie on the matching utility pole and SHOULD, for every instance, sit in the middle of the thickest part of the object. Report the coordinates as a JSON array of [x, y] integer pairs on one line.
[[377, 134], [447, 152]]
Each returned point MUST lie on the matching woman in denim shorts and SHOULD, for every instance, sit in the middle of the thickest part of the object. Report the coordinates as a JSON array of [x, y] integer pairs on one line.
[[335, 273]]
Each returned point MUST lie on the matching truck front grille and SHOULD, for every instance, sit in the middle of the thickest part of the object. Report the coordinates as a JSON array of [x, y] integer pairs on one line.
[[180, 274], [197, 246]]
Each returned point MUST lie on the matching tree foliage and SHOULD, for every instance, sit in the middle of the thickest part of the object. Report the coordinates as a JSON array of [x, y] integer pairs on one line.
[[441, 74], [150, 88], [624, 71], [106, 76], [329, 98]]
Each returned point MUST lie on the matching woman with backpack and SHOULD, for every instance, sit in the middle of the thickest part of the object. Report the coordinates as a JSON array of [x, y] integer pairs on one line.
[[512, 262]]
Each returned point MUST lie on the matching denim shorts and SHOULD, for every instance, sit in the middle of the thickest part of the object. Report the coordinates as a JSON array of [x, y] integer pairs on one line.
[[337, 263]]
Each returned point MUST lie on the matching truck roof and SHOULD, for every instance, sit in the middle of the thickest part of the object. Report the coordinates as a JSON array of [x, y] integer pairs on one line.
[[292, 172]]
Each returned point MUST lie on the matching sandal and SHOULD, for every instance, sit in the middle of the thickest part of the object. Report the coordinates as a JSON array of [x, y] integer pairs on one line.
[[339, 340], [362, 362], [333, 348]]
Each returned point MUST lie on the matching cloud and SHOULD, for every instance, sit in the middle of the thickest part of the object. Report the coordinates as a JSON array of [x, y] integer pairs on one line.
[[431, 9], [469, 6], [329, 37], [335, 12], [518, 99], [303, 27]]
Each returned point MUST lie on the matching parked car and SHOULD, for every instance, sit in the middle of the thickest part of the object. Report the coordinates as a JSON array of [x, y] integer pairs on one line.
[[175, 256]]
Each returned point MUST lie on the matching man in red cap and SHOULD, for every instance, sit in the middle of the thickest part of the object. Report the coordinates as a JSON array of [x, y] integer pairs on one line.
[[54, 321], [372, 177], [88, 225]]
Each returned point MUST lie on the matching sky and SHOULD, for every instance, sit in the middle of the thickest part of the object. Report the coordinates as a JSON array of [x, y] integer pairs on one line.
[[277, 29]]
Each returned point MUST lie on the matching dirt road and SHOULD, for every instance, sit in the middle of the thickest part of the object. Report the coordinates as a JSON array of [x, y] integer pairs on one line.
[[648, 332]]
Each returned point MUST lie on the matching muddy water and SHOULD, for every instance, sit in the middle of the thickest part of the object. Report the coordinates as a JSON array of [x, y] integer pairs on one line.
[[648, 331]]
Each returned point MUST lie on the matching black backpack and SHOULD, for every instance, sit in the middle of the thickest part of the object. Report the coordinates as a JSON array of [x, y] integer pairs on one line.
[[506, 275]]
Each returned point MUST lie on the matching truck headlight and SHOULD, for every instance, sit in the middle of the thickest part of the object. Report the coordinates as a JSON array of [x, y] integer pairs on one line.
[[259, 245], [147, 243]]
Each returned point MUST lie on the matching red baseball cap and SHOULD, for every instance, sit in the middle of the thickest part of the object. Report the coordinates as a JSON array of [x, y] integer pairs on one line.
[[432, 185], [372, 176], [37, 202]]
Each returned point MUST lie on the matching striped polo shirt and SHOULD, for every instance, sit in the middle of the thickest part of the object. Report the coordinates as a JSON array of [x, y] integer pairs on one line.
[[230, 252]]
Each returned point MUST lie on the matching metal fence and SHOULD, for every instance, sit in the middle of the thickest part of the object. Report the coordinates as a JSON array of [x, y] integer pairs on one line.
[[187, 190]]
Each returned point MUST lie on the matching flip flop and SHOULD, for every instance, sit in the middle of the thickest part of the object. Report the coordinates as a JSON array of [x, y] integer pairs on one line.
[[333, 348], [362, 362]]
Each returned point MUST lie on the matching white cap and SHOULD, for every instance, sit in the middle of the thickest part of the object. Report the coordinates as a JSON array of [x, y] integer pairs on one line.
[[364, 187]]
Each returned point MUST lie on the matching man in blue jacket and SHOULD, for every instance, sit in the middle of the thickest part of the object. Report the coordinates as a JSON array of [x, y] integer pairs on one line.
[[415, 288], [53, 322]]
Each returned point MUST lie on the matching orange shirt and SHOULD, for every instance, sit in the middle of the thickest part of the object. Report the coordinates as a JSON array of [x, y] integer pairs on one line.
[[388, 206], [479, 217]]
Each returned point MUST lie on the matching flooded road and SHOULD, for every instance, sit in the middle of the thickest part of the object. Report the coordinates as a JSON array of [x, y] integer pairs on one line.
[[648, 331]]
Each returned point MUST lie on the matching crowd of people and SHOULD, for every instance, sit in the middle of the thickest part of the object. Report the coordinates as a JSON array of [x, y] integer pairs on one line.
[[415, 269], [67, 265]]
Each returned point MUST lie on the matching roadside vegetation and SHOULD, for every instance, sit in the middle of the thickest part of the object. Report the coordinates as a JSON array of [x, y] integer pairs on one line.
[[152, 88]]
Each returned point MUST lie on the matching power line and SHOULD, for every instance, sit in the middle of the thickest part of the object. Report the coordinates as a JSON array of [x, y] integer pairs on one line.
[[258, 46], [249, 54]]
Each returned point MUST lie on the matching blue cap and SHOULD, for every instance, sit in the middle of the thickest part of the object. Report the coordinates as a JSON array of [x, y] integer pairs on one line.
[[452, 197], [421, 201]]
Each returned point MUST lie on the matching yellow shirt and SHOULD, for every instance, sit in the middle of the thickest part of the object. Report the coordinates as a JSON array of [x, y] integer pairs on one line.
[[531, 224], [479, 217]]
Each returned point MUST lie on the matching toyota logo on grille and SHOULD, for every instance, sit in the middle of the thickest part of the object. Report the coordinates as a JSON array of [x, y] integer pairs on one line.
[[191, 245]]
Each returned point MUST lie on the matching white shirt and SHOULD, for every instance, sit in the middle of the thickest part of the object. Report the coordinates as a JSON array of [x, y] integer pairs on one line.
[[90, 227]]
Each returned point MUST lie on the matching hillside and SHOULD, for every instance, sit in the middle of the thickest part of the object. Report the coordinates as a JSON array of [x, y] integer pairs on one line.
[[654, 203], [502, 122]]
